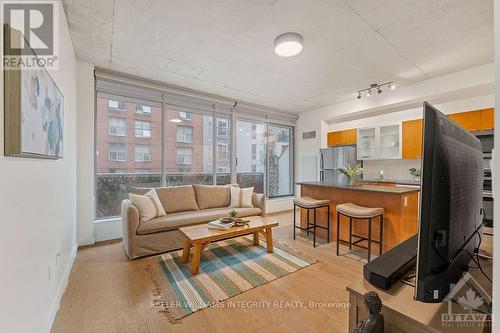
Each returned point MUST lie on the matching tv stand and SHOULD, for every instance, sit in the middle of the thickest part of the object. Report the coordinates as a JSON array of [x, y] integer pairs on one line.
[[402, 313]]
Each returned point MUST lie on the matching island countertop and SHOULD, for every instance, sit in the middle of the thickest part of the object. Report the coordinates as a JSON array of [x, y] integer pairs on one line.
[[400, 205], [363, 187]]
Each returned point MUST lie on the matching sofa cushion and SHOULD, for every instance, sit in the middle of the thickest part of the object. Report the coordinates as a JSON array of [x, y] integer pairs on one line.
[[145, 206], [178, 220], [241, 197], [177, 199], [212, 196]]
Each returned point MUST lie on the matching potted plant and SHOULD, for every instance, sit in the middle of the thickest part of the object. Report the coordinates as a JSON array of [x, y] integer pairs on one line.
[[416, 173], [232, 214], [352, 172]]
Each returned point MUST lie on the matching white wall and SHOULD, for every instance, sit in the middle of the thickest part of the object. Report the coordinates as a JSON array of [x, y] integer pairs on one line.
[[38, 222], [85, 167]]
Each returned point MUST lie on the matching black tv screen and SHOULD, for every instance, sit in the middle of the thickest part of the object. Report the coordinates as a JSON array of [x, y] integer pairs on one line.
[[450, 206]]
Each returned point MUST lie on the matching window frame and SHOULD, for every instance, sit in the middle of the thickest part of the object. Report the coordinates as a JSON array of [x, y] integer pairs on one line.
[[142, 129], [117, 127], [117, 108], [142, 153], [117, 152], [183, 155], [142, 109], [184, 134]]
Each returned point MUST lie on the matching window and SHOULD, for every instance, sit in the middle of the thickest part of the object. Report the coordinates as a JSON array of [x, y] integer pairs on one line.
[[142, 153], [184, 116], [117, 152], [117, 126], [143, 109], [184, 134], [222, 127], [142, 129], [114, 170], [222, 152], [193, 146], [116, 105], [222, 169], [115, 141], [250, 151], [279, 169], [184, 155]]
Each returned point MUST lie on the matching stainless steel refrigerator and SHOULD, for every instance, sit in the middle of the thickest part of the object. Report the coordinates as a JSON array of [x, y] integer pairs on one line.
[[333, 158]]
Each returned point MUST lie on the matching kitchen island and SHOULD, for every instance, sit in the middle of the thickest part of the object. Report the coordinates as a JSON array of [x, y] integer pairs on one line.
[[400, 204]]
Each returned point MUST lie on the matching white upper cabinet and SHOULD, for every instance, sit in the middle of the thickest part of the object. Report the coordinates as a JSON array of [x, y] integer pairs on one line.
[[367, 147], [380, 143]]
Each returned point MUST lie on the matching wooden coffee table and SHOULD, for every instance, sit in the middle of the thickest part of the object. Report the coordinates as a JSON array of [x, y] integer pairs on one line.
[[199, 236]]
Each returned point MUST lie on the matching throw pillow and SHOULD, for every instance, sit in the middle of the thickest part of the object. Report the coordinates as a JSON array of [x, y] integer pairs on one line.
[[241, 197], [145, 206], [160, 211]]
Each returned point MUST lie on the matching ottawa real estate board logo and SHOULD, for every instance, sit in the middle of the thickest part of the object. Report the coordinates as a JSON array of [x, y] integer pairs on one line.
[[469, 305], [31, 34]]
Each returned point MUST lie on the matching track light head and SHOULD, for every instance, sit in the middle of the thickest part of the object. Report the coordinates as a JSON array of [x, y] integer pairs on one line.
[[392, 86], [359, 95], [369, 93], [379, 91]]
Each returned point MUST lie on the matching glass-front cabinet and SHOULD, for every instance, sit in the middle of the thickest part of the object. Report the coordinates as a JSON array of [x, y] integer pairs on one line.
[[367, 143], [380, 142], [390, 141]]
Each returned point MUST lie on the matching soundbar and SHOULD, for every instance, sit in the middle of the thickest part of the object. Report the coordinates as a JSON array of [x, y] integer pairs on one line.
[[387, 269]]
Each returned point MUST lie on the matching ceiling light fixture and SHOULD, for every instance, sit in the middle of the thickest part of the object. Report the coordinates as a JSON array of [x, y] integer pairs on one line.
[[288, 44], [175, 120], [379, 88]]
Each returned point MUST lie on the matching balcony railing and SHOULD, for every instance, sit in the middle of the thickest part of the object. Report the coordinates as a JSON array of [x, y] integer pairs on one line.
[[111, 189]]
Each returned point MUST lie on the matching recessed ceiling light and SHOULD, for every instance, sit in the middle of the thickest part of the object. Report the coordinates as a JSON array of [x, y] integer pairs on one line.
[[288, 44], [175, 120]]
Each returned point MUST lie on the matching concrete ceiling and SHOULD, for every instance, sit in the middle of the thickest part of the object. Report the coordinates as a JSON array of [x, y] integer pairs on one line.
[[225, 47]]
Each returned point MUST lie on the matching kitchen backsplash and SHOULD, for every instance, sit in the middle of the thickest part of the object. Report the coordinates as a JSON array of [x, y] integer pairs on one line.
[[393, 169]]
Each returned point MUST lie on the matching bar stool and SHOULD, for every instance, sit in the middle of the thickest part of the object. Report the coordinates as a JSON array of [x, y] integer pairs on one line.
[[351, 211], [310, 203]]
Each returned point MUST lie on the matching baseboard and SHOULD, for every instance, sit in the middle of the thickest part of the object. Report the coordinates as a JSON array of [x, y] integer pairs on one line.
[[60, 291]]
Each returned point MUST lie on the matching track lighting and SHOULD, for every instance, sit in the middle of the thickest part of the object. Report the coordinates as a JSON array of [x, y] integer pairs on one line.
[[379, 88]]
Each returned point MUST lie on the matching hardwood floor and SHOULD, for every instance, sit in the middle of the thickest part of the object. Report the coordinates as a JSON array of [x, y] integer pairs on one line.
[[108, 293]]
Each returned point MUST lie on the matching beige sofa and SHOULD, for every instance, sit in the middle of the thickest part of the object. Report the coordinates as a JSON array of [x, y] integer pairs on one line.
[[184, 205]]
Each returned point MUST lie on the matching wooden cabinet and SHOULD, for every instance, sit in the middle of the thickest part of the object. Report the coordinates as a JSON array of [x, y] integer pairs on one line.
[[345, 137], [334, 138], [487, 119], [479, 120], [471, 120], [412, 139]]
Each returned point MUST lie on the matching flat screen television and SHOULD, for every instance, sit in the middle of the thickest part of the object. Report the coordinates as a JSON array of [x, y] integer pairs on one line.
[[450, 205]]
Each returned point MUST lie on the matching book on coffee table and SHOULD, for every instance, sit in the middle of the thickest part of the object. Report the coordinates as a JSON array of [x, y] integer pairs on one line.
[[221, 225]]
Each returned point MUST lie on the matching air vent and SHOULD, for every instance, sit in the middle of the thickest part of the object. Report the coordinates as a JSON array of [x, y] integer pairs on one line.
[[308, 135]]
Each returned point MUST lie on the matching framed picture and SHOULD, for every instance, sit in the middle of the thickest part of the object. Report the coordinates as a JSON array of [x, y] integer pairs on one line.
[[33, 109]]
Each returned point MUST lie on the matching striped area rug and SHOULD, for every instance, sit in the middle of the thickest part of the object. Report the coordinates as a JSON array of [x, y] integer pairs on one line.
[[227, 268]]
